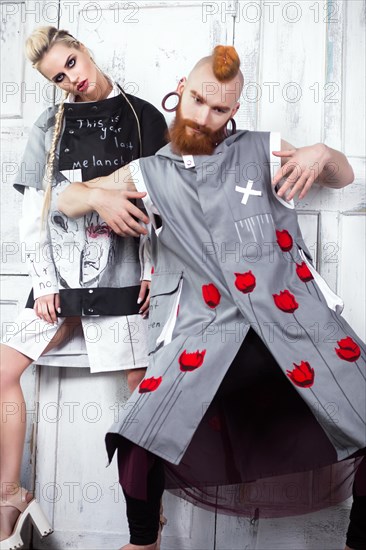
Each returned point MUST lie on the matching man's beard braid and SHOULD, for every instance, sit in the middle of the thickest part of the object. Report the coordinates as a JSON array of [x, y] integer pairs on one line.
[[195, 144]]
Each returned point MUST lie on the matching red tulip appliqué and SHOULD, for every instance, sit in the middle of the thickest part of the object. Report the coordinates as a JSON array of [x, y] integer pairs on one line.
[[348, 349], [284, 240], [189, 362], [285, 301], [245, 282], [211, 295], [150, 384], [302, 375]]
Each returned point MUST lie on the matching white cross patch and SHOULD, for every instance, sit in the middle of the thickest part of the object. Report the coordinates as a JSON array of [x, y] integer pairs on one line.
[[247, 191]]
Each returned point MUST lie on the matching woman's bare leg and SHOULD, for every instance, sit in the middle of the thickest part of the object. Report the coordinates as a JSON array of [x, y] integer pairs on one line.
[[13, 364], [13, 413], [12, 430]]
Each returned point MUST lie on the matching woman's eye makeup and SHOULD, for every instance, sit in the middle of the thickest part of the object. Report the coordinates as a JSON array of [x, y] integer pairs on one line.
[[70, 63]]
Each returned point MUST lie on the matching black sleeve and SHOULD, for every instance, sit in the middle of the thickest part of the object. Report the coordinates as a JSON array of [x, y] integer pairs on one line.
[[154, 130]]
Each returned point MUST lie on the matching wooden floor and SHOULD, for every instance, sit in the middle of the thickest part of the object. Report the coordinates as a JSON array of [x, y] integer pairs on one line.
[[324, 530], [190, 528]]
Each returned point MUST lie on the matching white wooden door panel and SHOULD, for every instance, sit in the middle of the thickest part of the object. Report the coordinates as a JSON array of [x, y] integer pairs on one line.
[[80, 494], [352, 281], [354, 80], [149, 45], [188, 527], [247, 38], [13, 78], [312, 49], [235, 533], [24, 95], [291, 64], [309, 225], [330, 95], [325, 529]]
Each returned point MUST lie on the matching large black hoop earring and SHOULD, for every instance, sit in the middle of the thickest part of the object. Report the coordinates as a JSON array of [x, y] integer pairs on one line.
[[165, 98], [233, 127]]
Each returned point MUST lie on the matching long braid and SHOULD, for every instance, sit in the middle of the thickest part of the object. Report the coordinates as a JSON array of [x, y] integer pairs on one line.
[[37, 45], [49, 170]]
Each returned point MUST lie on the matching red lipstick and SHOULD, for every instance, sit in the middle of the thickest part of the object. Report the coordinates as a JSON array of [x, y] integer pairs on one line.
[[83, 86]]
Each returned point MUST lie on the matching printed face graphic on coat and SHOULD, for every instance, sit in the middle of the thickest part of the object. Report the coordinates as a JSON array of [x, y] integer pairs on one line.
[[97, 250], [83, 247]]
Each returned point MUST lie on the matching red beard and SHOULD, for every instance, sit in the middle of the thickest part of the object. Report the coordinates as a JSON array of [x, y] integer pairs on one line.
[[202, 143]]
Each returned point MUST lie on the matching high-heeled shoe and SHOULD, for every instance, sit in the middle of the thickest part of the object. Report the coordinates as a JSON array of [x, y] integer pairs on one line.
[[32, 509]]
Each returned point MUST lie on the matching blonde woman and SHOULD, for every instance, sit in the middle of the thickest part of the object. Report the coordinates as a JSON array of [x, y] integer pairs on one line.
[[82, 271]]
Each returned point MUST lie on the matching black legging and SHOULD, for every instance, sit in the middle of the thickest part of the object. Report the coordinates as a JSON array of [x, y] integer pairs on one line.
[[144, 515], [356, 535]]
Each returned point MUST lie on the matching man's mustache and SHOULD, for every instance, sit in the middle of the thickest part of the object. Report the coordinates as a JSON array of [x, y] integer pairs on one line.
[[191, 124]]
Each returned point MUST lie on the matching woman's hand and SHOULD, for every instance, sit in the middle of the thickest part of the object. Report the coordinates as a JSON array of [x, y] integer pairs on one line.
[[144, 298], [46, 307]]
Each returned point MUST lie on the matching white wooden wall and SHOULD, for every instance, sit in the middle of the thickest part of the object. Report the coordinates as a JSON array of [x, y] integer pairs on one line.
[[304, 68]]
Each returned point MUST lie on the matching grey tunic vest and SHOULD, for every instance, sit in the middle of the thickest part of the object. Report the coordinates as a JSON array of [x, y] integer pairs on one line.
[[228, 254]]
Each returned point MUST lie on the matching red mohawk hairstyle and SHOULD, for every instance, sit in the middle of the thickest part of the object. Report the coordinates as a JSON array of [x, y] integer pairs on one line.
[[226, 63]]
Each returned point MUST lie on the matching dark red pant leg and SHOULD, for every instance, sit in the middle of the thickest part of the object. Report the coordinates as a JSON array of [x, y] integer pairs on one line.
[[142, 479]]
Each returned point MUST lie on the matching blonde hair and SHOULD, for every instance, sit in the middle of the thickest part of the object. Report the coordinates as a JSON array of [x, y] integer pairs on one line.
[[37, 45]]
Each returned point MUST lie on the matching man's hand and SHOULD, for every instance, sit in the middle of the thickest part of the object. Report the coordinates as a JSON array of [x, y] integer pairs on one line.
[[116, 208], [144, 298], [302, 167], [46, 306], [305, 165], [111, 197]]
